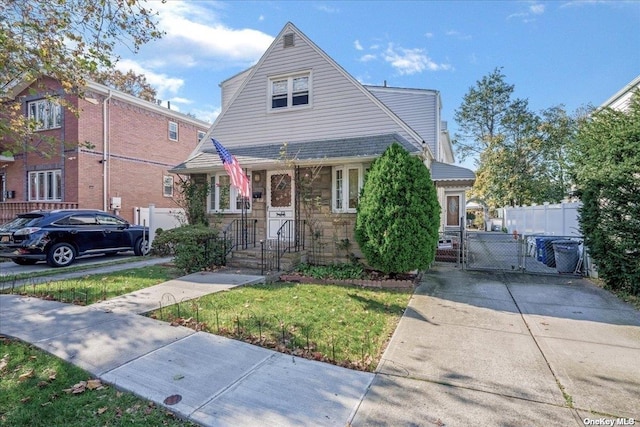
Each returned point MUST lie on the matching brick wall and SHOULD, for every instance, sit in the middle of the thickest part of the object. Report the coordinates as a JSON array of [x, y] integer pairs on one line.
[[138, 155]]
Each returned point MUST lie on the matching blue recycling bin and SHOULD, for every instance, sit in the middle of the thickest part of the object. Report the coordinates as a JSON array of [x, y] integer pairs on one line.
[[544, 251]]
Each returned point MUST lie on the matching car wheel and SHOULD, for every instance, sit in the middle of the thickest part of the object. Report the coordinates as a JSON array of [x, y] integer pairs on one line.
[[61, 255], [141, 247], [24, 261]]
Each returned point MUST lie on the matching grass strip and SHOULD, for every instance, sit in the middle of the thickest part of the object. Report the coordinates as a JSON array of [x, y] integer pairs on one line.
[[345, 325], [98, 287], [38, 389]]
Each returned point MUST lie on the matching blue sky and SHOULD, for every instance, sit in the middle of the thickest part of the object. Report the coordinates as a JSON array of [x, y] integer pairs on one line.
[[561, 52]]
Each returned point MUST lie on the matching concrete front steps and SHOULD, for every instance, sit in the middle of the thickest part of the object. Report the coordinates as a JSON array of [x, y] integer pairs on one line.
[[252, 258]]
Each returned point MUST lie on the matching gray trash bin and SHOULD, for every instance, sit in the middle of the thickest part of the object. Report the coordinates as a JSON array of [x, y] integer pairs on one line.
[[566, 253]]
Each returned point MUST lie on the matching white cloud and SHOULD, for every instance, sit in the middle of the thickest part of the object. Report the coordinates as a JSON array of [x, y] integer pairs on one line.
[[207, 113], [368, 57], [165, 85], [411, 61], [191, 27], [458, 35], [536, 9], [357, 45], [428, 35], [528, 15], [327, 8]]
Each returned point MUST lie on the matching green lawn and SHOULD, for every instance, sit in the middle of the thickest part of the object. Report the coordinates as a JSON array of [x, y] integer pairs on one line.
[[36, 390], [93, 288], [345, 325]]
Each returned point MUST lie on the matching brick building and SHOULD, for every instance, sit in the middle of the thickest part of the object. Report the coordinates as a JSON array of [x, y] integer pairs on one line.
[[114, 155]]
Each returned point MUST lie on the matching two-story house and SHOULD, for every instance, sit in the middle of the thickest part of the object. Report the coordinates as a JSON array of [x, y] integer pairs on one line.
[[113, 155], [306, 132]]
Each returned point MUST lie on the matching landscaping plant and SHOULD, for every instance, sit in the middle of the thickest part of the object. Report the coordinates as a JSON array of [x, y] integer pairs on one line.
[[606, 166], [398, 214]]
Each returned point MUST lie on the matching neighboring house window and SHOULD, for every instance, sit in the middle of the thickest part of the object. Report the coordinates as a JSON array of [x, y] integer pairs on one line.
[[224, 197], [45, 185], [200, 135], [167, 187], [346, 185], [290, 91], [47, 114], [173, 131]]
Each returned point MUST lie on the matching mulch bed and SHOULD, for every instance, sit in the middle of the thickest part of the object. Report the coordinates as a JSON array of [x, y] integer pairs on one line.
[[375, 280]]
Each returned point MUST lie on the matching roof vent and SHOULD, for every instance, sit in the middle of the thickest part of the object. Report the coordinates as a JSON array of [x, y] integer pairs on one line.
[[288, 40]]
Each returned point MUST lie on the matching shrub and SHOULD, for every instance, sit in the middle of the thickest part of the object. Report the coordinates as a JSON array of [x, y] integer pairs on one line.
[[398, 214], [606, 163], [194, 247]]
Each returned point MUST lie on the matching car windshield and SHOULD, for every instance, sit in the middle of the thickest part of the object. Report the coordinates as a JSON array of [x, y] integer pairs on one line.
[[25, 220]]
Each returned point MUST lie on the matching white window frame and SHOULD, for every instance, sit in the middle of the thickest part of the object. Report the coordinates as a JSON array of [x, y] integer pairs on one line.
[[289, 78], [200, 135], [46, 113], [213, 200], [45, 185], [340, 197], [170, 131], [167, 185]]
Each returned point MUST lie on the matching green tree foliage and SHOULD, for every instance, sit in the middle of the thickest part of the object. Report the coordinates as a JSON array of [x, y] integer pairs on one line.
[[520, 154], [606, 164], [67, 40], [398, 214]]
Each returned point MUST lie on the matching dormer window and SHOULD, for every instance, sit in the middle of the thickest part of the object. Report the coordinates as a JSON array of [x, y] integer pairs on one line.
[[290, 91]]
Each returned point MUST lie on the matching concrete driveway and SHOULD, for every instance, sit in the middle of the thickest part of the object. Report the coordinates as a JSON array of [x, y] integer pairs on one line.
[[508, 350]]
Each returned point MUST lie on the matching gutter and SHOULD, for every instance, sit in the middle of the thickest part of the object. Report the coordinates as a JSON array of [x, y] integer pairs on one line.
[[105, 149]]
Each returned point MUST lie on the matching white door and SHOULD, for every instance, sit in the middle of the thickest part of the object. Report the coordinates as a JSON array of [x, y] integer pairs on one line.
[[280, 205]]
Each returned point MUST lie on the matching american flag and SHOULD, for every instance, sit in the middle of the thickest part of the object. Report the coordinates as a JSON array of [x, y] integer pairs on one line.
[[238, 177]]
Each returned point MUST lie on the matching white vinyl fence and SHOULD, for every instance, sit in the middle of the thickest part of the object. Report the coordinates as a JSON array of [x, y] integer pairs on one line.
[[154, 218], [553, 220], [550, 220]]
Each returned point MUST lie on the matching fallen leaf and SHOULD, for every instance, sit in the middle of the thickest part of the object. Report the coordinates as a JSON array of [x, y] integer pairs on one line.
[[25, 400], [42, 384], [102, 410], [178, 377], [4, 362], [26, 375], [94, 384]]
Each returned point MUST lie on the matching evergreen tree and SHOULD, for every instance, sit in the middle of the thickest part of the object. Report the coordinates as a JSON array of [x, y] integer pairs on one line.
[[398, 214], [605, 161]]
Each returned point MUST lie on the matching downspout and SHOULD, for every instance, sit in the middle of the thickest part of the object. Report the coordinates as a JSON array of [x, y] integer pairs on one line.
[[105, 147]]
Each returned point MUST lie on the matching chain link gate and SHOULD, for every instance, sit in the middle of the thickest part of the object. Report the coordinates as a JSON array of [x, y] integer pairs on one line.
[[538, 254]]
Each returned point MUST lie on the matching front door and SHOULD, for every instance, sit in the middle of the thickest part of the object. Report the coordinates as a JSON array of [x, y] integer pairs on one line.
[[453, 211], [280, 205]]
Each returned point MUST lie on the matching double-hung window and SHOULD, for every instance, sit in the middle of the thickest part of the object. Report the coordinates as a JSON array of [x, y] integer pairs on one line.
[[346, 184], [167, 186], [224, 197], [45, 113], [290, 91], [45, 185], [173, 131]]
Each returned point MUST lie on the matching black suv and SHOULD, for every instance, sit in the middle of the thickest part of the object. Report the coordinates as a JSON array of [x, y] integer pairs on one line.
[[59, 236]]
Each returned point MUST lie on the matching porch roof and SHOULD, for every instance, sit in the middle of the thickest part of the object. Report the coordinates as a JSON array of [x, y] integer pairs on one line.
[[447, 174], [357, 149]]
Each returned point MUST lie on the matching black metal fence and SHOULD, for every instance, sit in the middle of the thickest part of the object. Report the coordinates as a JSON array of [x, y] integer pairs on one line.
[[271, 331]]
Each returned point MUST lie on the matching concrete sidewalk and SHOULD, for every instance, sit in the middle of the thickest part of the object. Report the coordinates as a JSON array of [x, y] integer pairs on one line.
[[507, 350], [221, 382]]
